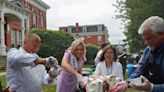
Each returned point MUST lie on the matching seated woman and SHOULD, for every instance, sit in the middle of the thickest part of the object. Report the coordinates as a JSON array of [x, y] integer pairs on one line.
[[108, 64]]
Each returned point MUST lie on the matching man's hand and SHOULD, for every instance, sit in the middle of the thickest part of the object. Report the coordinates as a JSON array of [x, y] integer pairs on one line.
[[50, 61], [146, 85]]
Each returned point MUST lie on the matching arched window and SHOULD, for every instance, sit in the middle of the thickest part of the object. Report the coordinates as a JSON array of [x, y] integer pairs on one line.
[[34, 20], [42, 21], [19, 38], [12, 37]]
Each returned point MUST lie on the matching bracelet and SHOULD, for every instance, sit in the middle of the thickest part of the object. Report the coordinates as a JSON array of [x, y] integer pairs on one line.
[[128, 82]]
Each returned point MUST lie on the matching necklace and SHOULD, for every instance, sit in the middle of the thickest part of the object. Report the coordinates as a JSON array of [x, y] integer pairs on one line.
[[109, 70]]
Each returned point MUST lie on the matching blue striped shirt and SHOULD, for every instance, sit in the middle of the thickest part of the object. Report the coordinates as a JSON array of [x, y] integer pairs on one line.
[[147, 58]]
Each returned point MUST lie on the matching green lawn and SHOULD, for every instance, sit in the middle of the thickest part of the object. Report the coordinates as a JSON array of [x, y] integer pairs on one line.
[[3, 81], [49, 88], [52, 88]]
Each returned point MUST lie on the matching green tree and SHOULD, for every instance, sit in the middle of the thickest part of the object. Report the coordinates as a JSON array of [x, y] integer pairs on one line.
[[133, 13], [53, 43]]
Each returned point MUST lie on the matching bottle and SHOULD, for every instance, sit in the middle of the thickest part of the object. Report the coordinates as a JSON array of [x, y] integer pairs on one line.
[[52, 60]]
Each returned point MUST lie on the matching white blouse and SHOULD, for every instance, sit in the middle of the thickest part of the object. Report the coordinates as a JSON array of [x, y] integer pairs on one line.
[[115, 70]]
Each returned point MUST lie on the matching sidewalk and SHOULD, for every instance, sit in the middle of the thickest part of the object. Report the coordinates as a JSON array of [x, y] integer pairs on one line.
[[2, 73]]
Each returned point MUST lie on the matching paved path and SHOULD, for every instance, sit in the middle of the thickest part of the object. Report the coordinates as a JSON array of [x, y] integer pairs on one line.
[[2, 73]]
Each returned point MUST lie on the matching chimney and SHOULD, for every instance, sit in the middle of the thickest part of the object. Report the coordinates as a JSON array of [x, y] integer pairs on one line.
[[77, 28]]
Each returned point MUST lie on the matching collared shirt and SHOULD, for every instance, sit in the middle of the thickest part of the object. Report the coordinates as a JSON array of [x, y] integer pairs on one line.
[[22, 73]]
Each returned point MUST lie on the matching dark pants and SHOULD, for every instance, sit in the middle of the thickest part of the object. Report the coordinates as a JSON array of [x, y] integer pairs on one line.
[[0, 87], [124, 70]]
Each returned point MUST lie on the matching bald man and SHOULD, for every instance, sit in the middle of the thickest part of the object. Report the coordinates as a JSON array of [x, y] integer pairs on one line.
[[25, 69]]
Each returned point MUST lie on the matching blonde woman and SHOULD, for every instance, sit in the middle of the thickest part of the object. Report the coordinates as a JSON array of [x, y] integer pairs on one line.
[[72, 62], [108, 64]]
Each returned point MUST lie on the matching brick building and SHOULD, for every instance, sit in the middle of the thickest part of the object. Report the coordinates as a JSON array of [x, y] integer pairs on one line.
[[17, 17], [93, 34]]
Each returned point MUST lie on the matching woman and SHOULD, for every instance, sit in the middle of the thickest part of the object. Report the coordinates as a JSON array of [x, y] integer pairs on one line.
[[72, 63], [108, 64]]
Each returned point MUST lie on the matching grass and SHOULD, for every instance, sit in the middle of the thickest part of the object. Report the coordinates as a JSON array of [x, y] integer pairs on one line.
[[52, 88], [3, 81], [87, 66], [49, 88]]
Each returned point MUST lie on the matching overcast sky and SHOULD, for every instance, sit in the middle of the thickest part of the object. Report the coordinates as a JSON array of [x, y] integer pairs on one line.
[[85, 12]]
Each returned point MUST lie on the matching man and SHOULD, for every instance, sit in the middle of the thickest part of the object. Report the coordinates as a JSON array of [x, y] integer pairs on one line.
[[24, 70], [98, 55], [123, 60], [151, 64]]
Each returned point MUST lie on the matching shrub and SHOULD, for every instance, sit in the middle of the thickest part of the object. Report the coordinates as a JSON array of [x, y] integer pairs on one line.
[[91, 52]]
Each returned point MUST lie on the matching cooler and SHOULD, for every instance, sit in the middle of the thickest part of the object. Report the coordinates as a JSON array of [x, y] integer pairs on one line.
[[131, 69]]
